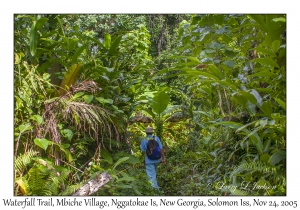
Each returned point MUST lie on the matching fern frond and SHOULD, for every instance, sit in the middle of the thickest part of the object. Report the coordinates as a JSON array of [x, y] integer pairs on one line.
[[257, 166], [51, 185], [53, 180], [36, 180], [238, 192], [44, 180], [81, 149], [23, 160], [70, 189]]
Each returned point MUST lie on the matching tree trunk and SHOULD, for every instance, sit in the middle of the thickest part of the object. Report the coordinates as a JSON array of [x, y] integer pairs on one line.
[[160, 41], [93, 185]]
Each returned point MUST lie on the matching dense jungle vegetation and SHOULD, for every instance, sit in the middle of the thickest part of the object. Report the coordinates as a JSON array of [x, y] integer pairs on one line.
[[212, 86]]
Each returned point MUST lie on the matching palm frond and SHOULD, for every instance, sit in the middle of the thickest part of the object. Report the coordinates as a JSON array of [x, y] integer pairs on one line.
[[86, 117], [93, 119]]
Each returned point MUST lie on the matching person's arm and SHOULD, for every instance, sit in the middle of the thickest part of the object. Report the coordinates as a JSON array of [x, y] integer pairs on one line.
[[162, 151], [142, 147]]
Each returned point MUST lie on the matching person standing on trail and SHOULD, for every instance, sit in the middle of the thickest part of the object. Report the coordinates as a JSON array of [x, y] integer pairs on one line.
[[152, 147]]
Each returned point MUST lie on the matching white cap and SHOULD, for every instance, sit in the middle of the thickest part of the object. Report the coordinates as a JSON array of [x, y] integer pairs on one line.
[[149, 130]]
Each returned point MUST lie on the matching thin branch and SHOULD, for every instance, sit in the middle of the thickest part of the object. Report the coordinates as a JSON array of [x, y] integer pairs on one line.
[[228, 104], [69, 165], [18, 141], [220, 103]]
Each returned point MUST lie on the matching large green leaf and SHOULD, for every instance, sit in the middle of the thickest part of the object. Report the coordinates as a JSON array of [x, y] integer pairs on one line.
[[126, 178], [200, 73], [19, 102], [265, 73], [42, 143], [245, 126], [216, 45], [227, 84], [266, 107], [266, 61], [215, 71], [67, 133], [249, 134], [104, 100], [265, 51], [276, 45], [250, 97], [243, 97], [106, 156], [257, 96], [77, 95], [277, 157], [114, 46], [69, 79], [133, 160], [281, 19], [96, 41], [239, 99], [275, 29], [72, 43], [186, 57], [18, 57], [40, 22], [272, 26], [265, 158], [88, 98], [160, 102], [229, 63], [44, 66], [230, 124], [255, 139], [107, 41], [60, 29], [67, 153], [33, 38], [121, 160], [77, 53], [282, 103], [37, 118], [260, 20], [267, 145], [25, 127]]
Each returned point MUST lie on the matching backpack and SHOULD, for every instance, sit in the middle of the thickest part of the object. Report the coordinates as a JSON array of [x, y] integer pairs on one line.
[[153, 150]]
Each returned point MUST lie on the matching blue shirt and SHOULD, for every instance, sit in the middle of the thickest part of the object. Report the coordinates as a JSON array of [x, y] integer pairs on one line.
[[143, 146]]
